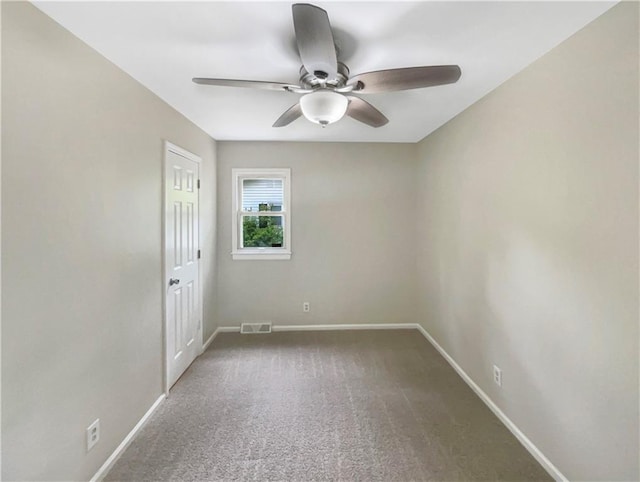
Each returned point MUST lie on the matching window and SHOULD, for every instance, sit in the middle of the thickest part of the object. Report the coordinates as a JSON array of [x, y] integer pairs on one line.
[[261, 213]]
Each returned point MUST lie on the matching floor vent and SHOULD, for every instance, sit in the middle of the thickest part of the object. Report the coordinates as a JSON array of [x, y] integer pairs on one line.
[[248, 328]]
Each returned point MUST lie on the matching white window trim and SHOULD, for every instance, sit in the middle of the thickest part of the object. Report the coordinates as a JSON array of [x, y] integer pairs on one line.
[[237, 176]]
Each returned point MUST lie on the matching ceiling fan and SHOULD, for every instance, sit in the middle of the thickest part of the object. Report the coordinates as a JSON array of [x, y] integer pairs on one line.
[[325, 82]]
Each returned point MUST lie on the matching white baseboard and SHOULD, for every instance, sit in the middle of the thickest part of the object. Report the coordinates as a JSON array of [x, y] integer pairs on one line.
[[207, 343], [369, 326], [522, 438], [228, 329], [220, 329], [102, 471], [361, 326]]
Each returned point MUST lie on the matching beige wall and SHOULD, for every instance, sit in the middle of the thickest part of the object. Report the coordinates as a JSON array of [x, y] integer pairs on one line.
[[81, 262], [351, 236], [529, 247]]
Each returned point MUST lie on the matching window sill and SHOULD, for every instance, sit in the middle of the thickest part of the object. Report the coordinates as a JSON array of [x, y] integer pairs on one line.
[[260, 254]]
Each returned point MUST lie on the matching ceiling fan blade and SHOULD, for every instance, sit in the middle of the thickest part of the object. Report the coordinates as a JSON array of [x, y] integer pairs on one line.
[[364, 112], [404, 79], [315, 40], [253, 84], [291, 114]]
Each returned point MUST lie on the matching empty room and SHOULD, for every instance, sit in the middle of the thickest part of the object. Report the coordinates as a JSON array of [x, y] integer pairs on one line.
[[338, 241]]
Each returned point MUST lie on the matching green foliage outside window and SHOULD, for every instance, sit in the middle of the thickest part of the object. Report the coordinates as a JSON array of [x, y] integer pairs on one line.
[[262, 231]]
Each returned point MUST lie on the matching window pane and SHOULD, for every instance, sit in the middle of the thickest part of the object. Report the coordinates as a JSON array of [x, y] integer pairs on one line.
[[262, 194], [262, 231]]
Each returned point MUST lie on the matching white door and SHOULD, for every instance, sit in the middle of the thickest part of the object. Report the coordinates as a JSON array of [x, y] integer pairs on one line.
[[182, 277]]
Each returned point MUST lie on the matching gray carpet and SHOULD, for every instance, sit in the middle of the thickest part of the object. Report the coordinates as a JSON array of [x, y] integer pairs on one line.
[[341, 405]]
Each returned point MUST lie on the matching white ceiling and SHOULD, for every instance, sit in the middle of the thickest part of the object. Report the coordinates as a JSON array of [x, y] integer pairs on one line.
[[164, 44]]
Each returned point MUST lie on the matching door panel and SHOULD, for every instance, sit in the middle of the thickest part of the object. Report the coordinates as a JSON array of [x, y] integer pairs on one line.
[[177, 235], [191, 310], [182, 264], [177, 322], [191, 241]]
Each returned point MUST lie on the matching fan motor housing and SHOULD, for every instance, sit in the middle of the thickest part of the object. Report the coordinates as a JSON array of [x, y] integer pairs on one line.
[[316, 79]]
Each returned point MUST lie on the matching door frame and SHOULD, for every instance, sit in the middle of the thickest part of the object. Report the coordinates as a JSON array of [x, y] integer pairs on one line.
[[170, 147]]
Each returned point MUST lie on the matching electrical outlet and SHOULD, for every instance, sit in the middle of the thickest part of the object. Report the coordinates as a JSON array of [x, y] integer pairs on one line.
[[497, 376], [93, 434], [306, 307]]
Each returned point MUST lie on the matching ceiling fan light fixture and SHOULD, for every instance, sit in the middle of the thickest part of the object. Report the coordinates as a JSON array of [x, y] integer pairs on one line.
[[324, 106], [324, 79]]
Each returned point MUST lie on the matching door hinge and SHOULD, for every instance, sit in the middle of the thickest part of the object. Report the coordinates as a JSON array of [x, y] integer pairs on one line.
[[198, 183], [198, 254]]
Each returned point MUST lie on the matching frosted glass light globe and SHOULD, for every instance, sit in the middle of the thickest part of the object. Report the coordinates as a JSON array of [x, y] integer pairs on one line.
[[324, 106]]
